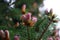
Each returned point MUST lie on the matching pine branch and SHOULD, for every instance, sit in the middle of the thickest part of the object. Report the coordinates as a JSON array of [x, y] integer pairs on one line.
[[44, 31], [28, 32]]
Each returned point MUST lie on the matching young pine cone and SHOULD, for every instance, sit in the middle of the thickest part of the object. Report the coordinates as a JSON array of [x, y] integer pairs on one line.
[[23, 8], [16, 37]]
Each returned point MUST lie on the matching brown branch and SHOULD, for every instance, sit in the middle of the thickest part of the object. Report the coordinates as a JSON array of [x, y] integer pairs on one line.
[[44, 31]]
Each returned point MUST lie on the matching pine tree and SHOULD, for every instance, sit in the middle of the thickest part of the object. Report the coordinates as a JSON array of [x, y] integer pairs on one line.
[[14, 20]]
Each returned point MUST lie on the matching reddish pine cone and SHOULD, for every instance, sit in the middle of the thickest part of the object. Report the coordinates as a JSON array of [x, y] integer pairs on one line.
[[23, 8], [57, 38], [28, 20], [2, 34], [28, 16], [49, 38], [7, 37], [46, 12], [23, 17], [56, 32], [16, 38], [34, 19]]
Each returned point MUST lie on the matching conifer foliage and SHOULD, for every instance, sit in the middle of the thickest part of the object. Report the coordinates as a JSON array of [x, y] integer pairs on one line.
[[20, 20]]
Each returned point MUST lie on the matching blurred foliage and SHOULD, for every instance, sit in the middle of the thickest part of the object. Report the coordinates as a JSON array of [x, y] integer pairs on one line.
[[27, 2], [22, 30]]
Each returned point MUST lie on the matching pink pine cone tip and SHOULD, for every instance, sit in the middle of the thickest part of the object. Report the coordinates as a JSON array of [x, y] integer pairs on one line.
[[28, 16], [7, 33], [56, 32], [23, 17], [49, 38], [34, 19], [57, 38], [46, 11], [24, 6], [16, 38]]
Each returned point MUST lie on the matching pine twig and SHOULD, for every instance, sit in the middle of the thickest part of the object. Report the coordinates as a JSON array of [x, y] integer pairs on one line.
[[44, 31]]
